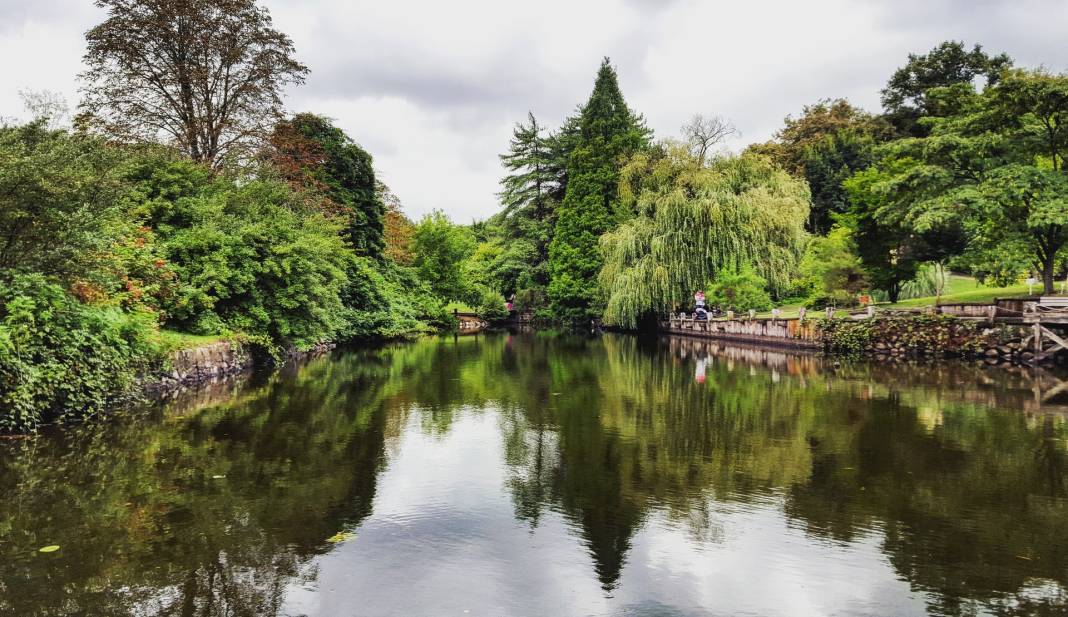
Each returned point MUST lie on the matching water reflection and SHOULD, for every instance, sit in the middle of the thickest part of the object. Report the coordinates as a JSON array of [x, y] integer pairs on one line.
[[537, 474]]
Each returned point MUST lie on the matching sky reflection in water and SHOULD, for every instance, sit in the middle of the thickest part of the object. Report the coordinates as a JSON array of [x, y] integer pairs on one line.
[[540, 475]]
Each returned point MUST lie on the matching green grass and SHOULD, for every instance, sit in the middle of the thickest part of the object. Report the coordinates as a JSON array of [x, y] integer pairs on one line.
[[459, 306], [173, 341], [959, 289], [967, 295], [959, 283]]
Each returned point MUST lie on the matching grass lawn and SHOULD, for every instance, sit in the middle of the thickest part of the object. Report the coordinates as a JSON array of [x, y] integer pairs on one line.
[[959, 289], [173, 341], [459, 306], [978, 295]]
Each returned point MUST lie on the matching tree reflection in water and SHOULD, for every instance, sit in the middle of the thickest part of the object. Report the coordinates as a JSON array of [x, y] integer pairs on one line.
[[224, 509]]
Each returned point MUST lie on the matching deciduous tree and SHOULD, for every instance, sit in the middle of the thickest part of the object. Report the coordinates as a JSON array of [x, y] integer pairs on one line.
[[692, 223], [319, 158], [905, 96], [996, 167], [206, 75]]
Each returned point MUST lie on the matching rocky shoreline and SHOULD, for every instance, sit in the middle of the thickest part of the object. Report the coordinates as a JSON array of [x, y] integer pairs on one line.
[[198, 365], [931, 336]]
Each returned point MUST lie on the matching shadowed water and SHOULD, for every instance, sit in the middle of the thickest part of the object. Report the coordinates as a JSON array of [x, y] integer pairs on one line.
[[530, 475]]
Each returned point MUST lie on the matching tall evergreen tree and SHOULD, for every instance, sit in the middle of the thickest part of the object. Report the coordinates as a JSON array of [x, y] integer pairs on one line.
[[608, 132], [526, 193]]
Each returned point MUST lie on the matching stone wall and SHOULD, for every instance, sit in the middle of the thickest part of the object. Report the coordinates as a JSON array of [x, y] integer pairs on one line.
[[938, 335], [198, 364]]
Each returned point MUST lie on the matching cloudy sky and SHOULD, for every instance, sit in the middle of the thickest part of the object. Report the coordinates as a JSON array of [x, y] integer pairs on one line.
[[432, 88]]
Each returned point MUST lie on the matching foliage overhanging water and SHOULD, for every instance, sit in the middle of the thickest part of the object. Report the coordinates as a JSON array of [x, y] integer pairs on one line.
[[544, 475]]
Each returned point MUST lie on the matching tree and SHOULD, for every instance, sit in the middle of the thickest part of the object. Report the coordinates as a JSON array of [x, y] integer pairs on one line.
[[829, 142], [526, 194], [693, 223], [995, 167], [206, 75], [440, 249], [61, 212], [608, 132], [831, 263], [739, 289], [883, 243], [905, 96], [318, 157], [397, 229], [702, 133]]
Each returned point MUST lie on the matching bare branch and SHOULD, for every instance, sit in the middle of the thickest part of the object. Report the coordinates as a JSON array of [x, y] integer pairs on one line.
[[702, 133]]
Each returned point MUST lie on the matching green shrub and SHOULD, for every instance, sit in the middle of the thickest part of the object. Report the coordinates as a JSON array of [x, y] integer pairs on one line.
[[252, 259], [490, 304], [383, 299], [61, 359], [739, 290], [838, 298]]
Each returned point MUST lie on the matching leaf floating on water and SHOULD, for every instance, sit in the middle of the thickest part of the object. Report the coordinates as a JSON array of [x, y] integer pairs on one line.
[[51, 548], [217, 477], [341, 536]]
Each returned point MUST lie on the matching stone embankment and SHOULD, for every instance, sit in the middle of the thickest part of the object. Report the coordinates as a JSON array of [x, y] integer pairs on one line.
[[883, 334], [932, 335], [197, 365], [211, 362]]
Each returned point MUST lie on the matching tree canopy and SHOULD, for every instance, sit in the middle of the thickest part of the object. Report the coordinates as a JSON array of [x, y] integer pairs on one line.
[[693, 222], [204, 75], [321, 159], [905, 97], [994, 166]]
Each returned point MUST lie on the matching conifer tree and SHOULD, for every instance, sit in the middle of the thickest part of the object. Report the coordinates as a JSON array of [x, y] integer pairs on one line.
[[608, 132], [526, 193]]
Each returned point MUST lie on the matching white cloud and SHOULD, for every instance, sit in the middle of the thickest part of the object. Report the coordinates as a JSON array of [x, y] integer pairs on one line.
[[432, 88]]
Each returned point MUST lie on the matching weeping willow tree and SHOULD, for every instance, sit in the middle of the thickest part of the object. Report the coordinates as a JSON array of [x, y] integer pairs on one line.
[[691, 221]]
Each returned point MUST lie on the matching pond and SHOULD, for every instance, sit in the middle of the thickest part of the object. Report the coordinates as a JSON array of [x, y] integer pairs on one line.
[[534, 474]]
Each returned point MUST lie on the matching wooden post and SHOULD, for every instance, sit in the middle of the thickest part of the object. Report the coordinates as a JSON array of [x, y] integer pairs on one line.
[[1038, 340]]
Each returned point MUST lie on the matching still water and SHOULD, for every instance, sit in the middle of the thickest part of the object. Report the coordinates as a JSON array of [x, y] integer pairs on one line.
[[529, 475]]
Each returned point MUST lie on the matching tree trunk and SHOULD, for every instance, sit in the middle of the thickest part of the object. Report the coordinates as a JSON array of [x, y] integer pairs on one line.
[[940, 282], [1047, 274]]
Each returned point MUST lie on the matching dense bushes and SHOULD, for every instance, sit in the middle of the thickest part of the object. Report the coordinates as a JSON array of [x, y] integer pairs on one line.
[[254, 262], [739, 290], [61, 358], [384, 299], [108, 243]]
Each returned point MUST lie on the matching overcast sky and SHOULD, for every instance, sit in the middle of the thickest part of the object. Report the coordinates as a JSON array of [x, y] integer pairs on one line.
[[433, 88]]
